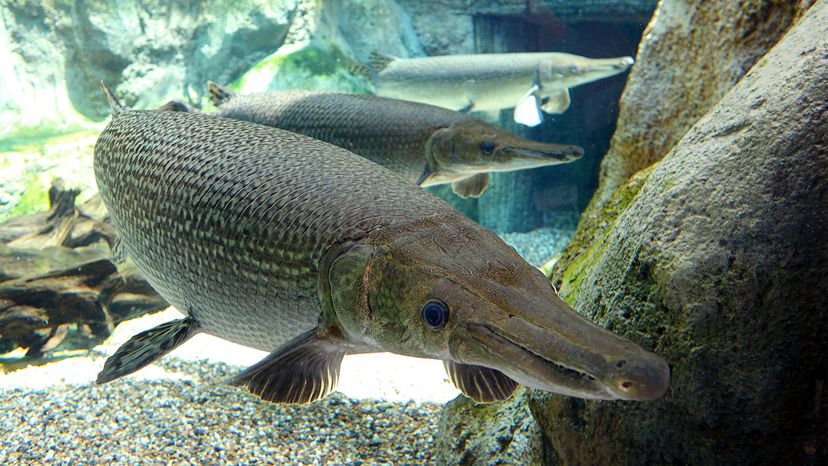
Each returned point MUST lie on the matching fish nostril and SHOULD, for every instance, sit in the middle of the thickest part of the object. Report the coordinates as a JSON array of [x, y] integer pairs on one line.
[[621, 363]]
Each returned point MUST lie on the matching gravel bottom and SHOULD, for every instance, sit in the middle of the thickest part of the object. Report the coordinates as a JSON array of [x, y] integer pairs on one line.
[[179, 411], [200, 421], [541, 245]]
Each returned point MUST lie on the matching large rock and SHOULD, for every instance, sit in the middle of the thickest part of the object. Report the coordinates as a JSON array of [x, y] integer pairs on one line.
[[474, 434], [326, 39], [691, 54], [154, 50], [719, 263]]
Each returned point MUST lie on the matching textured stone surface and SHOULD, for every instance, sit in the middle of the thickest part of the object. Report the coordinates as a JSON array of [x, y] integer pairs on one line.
[[719, 264], [154, 50], [691, 54], [475, 434]]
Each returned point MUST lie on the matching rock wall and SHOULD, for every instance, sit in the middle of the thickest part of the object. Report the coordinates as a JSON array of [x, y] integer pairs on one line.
[[691, 54], [155, 50], [494, 434], [719, 264]]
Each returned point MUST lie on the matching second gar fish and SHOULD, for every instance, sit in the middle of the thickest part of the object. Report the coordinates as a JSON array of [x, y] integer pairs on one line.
[[291, 245], [424, 143], [488, 82]]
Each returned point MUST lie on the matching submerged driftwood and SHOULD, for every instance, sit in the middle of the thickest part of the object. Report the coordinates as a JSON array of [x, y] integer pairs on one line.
[[58, 287]]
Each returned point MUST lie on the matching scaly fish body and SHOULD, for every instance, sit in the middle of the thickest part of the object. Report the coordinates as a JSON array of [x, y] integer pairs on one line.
[[491, 82], [288, 244], [423, 143]]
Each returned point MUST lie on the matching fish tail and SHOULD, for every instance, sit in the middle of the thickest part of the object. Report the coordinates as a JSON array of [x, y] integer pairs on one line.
[[361, 70], [378, 60], [219, 94], [114, 105]]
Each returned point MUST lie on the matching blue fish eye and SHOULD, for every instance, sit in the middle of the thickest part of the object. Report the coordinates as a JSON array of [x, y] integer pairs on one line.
[[573, 69], [435, 314], [487, 147]]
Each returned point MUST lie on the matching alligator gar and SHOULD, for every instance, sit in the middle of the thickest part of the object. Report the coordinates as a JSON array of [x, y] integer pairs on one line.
[[291, 245], [424, 143], [489, 82]]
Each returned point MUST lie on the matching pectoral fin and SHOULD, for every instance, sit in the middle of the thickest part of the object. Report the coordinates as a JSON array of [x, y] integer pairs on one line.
[[527, 111], [146, 347], [479, 383], [557, 102], [472, 186], [302, 370], [425, 175]]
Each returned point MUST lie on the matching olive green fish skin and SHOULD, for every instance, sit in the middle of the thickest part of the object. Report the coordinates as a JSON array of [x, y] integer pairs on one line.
[[423, 143], [229, 220], [285, 243], [392, 133]]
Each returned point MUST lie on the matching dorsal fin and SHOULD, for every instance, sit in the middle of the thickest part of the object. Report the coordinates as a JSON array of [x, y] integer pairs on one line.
[[378, 60], [177, 106], [114, 104], [219, 94]]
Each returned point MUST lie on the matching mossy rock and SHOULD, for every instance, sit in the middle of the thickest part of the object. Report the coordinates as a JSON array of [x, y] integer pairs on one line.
[[312, 64], [718, 264]]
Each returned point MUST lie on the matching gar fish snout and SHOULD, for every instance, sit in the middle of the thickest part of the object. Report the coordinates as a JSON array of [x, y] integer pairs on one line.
[[529, 154], [645, 378]]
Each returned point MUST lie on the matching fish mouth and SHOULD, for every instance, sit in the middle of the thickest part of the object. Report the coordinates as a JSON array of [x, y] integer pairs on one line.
[[603, 68], [538, 154], [564, 368]]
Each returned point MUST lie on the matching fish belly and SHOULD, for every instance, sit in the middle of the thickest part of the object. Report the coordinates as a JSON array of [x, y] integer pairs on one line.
[[484, 95]]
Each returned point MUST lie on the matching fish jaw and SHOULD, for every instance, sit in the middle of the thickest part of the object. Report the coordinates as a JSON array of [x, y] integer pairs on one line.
[[499, 312], [522, 154], [474, 146], [582, 70], [544, 344]]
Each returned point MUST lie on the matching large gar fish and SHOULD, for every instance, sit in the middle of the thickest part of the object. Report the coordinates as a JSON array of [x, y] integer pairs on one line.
[[291, 245], [530, 82], [425, 144]]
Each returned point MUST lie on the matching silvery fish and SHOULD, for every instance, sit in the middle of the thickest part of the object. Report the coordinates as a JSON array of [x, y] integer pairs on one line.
[[529, 82], [424, 143], [291, 245]]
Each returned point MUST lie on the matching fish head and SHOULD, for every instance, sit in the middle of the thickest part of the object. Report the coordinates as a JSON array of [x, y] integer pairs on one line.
[[448, 289], [474, 146], [565, 70]]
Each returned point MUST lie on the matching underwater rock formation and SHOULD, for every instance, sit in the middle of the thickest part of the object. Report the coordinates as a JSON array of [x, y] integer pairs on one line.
[[717, 261], [691, 54], [503, 433], [719, 264], [58, 51]]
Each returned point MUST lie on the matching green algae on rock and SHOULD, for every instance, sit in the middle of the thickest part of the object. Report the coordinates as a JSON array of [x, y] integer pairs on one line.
[[491, 434], [718, 263], [710, 45]]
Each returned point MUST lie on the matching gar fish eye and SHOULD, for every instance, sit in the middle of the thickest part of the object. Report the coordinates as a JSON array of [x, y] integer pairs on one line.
[[573, 69], [487, 147], [435, 314]]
